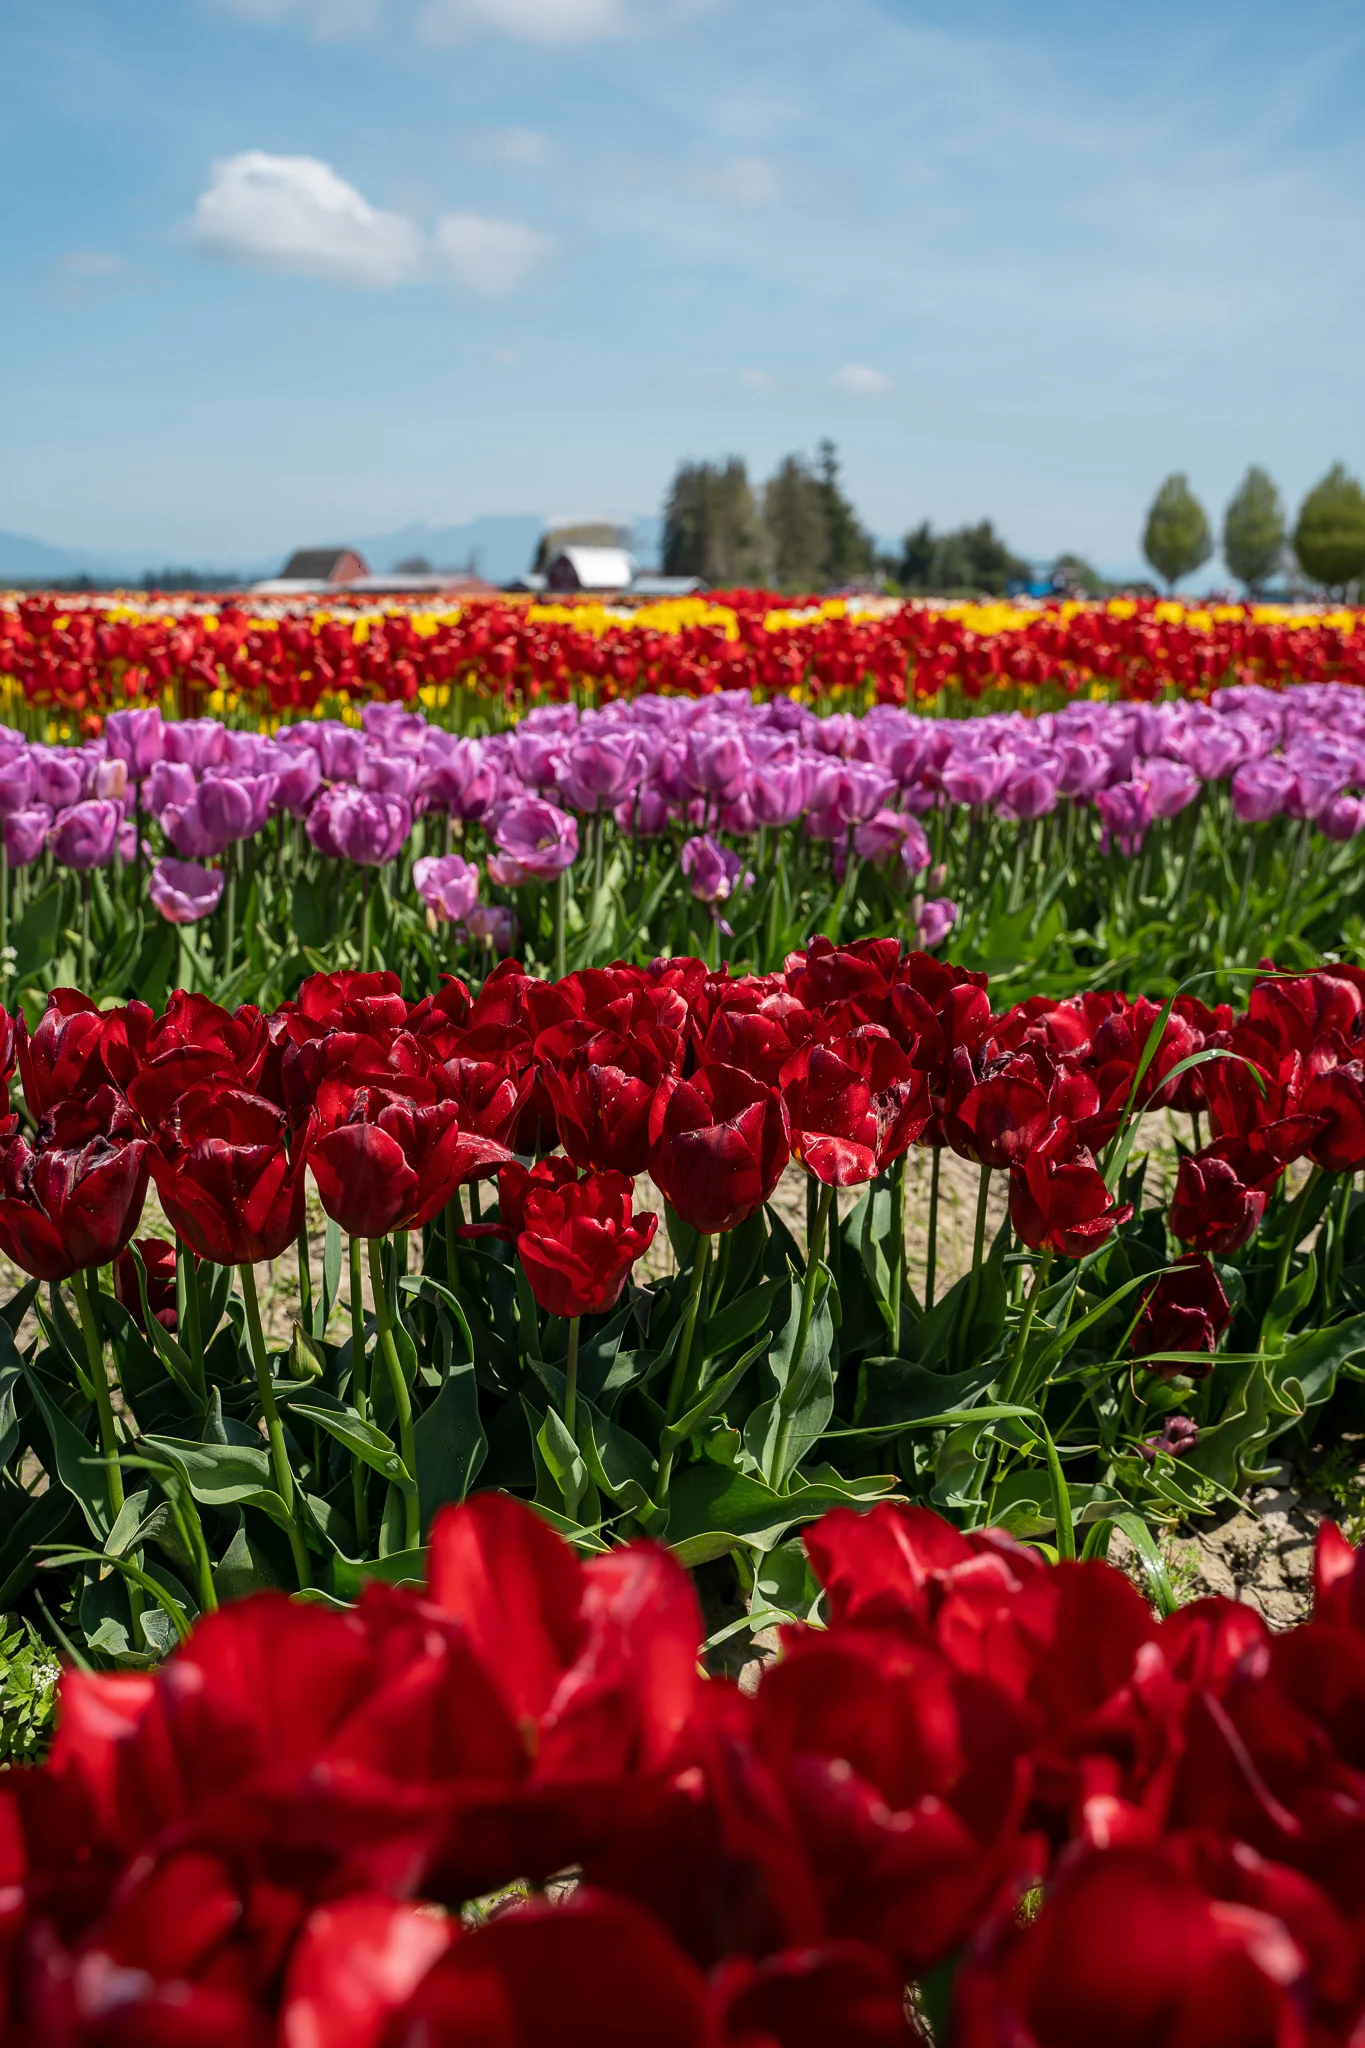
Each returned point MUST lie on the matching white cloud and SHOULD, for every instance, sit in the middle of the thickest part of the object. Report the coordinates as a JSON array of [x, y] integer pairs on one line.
[[547, 21], [488, 257], [862, 380], [88, 263], [324, 18], [295, 214], [522, 148], [743, 181], [760, 381]]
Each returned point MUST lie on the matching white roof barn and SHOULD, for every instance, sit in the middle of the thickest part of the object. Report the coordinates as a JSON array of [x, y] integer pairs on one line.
[[586, 568]]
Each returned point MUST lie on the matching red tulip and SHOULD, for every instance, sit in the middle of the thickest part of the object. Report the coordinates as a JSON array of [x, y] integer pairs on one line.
[[603, 1088], [1130, 1952], [194, 1041], [853, 1105], [996, 1117], [1337, 1097], [346, 1001], [394, 1164], [226, 1178], [64, 1057], [1186, 1310], [1058, 1199], [73, 1199], [1214, 1209], [578, 1241], [717, 1146], [158, 1259]]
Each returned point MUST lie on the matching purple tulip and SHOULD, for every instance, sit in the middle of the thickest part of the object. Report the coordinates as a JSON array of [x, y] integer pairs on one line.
[[16, 784], [1030, 792], [448, 885], [973, 778], [645, 814], [359, 825], [1082, 768], [183, 891], [1179, 1434], [297, 782], [536, 756], [777, 789], [111, 780], [247, 753], [713, 872], [493, 925], [26, 834], [339, 749], [535, 841], [717, 764], [226, 807], [388, 774], [170, 782], [465, 782], [395, 729], [1170, 784], [598, 770], [935, 921], [1260, 790], [892, 835], [1215, 751], [1342, 818], [1125, 813], [199, 743], [83, 835], [137, 739], [58, 777]]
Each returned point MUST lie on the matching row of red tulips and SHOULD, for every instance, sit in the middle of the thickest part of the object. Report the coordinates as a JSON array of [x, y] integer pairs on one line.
[[89, 658], [1066, 1824]]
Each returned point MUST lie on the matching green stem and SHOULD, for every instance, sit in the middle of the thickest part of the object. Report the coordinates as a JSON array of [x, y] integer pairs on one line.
[[4, 908], [931, 1251], [1293, 1229], [677, 1386], [1010, 1390], [279, 1456], [814, 1251], [366, 887], [897, 1249], [571, 1414], [194, 1333], [230, 932], [561, 907], [104, 1407], [305, 1281], [360, 1399], [85, 932], [978, 1247], [407, 1446]]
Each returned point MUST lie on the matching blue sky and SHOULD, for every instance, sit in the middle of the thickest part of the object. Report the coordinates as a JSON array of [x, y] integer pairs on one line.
[[275, 270]]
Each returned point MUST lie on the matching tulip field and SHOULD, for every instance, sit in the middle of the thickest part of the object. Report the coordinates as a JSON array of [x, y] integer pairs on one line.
[[627, 994]]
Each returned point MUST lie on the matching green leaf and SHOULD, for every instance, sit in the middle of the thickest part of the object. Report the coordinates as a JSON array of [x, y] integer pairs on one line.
[[35, 936], [223, 1475], [782, 1429], [711, 1507], [740, 1318], [450, 1442], [79, 1464], [400, 1568], [364, 1440]]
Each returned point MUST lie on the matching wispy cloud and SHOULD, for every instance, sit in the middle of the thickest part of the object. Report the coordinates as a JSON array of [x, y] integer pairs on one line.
[[86, 264], [521, 149], [550, 21], [327, 19], [862, 380], [296, 215]]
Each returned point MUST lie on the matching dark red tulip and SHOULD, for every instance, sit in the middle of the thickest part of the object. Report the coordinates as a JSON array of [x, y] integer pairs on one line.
[[853, 1105], [394, 1164], [1178, 1435], [64, 1057], [1337, 1097], [1186, 1310], [66, 1206], [226, 1178], [717, 1146], [1214, 1209], [1128, 1951], [603, 1089], [347, 1001], [194, 1041], [1058, 1199], [579, 1240], [158, 1259], [999, 1115]]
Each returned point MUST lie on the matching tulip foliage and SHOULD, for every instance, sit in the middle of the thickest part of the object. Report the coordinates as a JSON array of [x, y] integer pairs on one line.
[[978, 1800], [657, 1356]]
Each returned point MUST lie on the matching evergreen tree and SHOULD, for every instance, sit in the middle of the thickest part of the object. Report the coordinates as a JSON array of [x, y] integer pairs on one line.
[[1329, 538], [795, 515], [1177, 539], [973, 559], [711, 525], [1253, 531], [849, 552]]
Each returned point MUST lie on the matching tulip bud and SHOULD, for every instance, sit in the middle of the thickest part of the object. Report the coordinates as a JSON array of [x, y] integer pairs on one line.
[[306, 1360]]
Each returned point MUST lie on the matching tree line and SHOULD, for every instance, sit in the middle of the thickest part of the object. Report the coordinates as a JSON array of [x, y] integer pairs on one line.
[[1327, 543], [799, 531]]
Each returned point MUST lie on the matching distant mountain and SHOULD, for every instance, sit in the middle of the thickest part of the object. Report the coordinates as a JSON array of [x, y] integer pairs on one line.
[[497, 548]]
